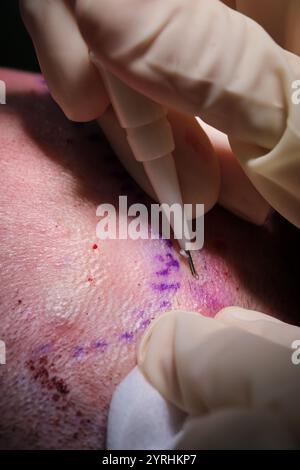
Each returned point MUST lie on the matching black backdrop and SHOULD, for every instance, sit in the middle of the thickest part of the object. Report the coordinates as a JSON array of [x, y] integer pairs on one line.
[[16, 49]]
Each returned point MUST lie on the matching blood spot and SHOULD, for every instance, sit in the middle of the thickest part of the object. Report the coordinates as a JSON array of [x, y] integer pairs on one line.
[[60, 386], [41, 374]]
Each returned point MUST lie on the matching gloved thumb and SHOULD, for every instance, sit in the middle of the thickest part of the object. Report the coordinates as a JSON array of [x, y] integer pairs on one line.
[[201, 58], [203, 365]]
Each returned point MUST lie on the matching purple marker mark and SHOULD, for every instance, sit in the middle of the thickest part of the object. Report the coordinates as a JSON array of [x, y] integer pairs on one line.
[[140, 313], [163, 272], [144, 324], [165, 304], [162, 287], [45, 348], [171, 264], [78, 351], [100, 344], [128, 336], [172, 261]]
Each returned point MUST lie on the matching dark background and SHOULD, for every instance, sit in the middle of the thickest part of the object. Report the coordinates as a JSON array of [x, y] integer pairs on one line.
[[16, 49]]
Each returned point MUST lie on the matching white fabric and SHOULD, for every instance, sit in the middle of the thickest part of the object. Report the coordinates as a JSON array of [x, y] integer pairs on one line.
[[140, 418]]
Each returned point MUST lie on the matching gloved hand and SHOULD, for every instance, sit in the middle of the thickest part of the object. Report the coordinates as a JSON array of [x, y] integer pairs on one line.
[[155, 48], [235, 378]]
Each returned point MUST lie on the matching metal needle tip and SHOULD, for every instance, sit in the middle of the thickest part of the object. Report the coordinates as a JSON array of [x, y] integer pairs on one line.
[[192, 266]]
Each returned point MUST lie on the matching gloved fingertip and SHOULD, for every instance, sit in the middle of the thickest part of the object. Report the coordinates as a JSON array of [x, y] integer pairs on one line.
[[146, 338], [232, 314]]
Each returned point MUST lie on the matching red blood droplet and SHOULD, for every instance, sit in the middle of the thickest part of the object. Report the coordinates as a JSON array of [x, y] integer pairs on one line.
[[95, 246]]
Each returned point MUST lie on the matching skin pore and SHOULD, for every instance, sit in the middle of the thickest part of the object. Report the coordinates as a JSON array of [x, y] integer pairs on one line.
[[72, 307]]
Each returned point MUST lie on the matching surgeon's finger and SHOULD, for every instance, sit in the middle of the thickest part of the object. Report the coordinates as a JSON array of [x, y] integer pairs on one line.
[[202, 365], [196, 162], [73, 80], [237, 193], [199, 156], [235, 429], [196, 56], [260, 324]]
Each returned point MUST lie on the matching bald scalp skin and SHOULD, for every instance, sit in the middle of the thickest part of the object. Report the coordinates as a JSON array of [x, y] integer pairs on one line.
[[72, 307]]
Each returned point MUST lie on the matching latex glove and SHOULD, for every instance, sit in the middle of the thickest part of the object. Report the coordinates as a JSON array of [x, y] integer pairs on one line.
[[233, 376], [76, 86], [203, 58]]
